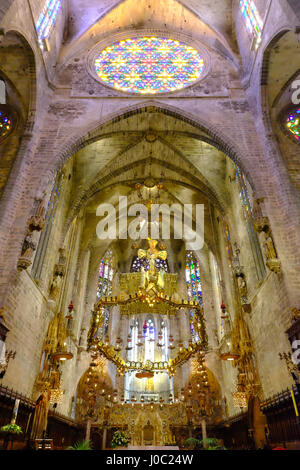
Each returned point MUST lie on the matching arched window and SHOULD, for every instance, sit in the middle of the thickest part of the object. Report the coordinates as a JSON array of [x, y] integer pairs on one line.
[[164, 331], [149, 333], [293, 124], [2, 92], [149, 65], [134, 340], [47, 19], [106, 274], [105, 280], [194, 287], [5, 124], [252, 18], [138, 263], [192, 277], [247, 211]]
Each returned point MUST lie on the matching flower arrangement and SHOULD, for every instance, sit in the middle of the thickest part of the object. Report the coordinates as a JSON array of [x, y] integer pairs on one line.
[[11, 428], [120, 439]]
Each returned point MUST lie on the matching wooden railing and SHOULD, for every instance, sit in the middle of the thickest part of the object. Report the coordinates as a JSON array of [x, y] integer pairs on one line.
[[12, 395], [64, 419], [279, 399]]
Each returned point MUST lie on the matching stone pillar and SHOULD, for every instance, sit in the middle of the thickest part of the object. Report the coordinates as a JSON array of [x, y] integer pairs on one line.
[[82, 314], [104, 437], [204, 435], [184, 327], [88, 430]]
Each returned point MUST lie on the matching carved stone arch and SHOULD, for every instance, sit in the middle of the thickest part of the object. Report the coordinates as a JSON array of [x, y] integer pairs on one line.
[[21, 100], [264, 78]]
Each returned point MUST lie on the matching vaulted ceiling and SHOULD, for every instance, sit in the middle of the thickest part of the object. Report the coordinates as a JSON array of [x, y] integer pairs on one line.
[[206, 21], [150, 144]]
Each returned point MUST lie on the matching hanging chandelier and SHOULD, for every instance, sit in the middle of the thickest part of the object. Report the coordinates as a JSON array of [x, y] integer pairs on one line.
[[143, 292], [239, 396], [56, 395]]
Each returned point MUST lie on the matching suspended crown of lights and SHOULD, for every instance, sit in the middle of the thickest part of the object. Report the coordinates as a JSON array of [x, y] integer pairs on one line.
[[293, 124], [149, 65]]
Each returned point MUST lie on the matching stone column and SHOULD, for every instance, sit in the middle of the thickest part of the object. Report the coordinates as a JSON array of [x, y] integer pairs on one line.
[[204, 435], [88, 430], [104, 437], [82, 314], [184, 326]]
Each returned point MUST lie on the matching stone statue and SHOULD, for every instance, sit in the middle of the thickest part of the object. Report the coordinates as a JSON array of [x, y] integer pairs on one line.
[[257, 210], [55, 287], [269, 247], [272, 261], [28, 249], [37, 221], [242, 285]]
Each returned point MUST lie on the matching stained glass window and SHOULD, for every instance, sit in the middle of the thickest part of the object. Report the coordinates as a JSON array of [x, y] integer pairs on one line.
[[247, 211], [47, 19], [149, 65], [293, 123], [192, 276], [134, 340], [106, 274], [5, 125], [105, 278], [149, 333], [164, 332], [138, 263], [252, 17]]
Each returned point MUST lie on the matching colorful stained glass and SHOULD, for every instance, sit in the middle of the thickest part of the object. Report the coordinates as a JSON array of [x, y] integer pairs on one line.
[[47, 19], [192, 277], [149, 334], [293, 124], [252, 17], [105, 278], [106, 274], [149, 65], [5, 125]]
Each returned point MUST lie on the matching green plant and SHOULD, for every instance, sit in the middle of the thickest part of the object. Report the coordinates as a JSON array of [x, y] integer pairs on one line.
[[192, 443], [11, 428], [83, 445], [212, 444], [120, 439]]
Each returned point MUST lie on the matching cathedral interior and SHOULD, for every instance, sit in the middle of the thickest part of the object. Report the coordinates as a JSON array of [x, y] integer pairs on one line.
[[108, 110]]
